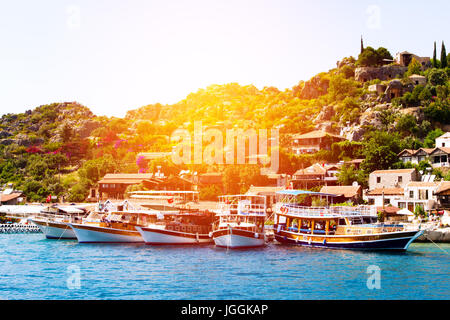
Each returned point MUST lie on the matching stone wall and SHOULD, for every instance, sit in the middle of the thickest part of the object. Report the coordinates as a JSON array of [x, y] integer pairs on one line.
[[383, 73]]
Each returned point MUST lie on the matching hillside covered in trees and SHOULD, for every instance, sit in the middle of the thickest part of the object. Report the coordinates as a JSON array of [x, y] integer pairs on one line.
[[63, 149]]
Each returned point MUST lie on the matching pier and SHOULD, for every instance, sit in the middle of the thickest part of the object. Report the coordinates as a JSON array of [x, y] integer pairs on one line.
[[19, 228]]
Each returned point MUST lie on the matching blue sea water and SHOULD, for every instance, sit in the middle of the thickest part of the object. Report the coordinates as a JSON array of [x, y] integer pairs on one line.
[[32, 267]]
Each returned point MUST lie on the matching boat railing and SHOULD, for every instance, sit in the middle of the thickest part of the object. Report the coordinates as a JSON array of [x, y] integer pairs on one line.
[[250, 209], [338, 211]]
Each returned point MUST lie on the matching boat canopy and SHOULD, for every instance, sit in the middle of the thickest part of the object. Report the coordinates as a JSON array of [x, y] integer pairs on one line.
[[305, 192]]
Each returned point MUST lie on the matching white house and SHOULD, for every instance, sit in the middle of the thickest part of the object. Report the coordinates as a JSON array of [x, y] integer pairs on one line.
[[443, 141], [416, 193]]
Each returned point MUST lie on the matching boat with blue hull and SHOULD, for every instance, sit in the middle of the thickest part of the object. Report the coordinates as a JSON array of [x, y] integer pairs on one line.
[[337, 227]]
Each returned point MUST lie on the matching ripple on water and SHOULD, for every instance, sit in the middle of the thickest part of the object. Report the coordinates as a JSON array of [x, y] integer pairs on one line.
[[36, 268]]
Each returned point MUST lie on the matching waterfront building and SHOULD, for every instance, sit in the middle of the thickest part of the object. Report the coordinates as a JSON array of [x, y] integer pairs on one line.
[[344, 193], [438, 156], [414, 194], [316, 175], [11, 197], [313, 142], [113, 185], [398, 178]]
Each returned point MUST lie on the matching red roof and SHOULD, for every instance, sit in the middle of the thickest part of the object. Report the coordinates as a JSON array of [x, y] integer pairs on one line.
[[11, 196], [387, 192], [316, 134]]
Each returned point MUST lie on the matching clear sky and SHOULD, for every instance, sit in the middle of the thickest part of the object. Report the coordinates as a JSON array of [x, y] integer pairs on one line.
[[113, 56]]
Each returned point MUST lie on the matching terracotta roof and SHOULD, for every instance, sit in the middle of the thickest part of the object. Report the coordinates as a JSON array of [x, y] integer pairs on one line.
[[422, 184], [427, 150], [355, 161], [346, 191], [11, 196], [410, 151], [316, 134], [126, 178], [314, 169], [390, 210], [414, 152], [387, 192], [395, 171], [417, 76], [443, 149], [264, 190], [444, 186]]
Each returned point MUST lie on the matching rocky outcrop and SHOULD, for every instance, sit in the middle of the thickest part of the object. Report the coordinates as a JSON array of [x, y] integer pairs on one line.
[[314, 88], [353, 133], [364, 74], [85, 127], [326, 113]]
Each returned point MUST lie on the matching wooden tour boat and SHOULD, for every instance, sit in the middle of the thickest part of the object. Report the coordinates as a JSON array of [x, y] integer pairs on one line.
[[240, 222], [336, 227], [185, 227]]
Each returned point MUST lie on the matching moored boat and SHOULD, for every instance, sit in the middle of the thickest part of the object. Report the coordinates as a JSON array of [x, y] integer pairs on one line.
[[112, 223], [54, 221], [185, 227], [240, 222], [337, 227]]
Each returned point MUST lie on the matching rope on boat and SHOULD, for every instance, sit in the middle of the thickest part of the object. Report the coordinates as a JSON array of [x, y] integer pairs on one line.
[[426, 235]]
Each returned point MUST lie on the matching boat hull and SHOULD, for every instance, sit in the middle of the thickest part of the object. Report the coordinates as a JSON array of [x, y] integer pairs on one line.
[[385, 241], [235, 239], [155, 236], [55, 230], [96, 234]]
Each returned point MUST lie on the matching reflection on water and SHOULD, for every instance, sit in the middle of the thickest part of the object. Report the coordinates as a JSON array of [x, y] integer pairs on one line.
[[35, 268]]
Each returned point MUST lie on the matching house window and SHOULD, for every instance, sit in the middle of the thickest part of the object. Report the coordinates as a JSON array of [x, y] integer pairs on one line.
[[387, 201], [378, 179], [400, 179], [411, 194], [371, 201], [443, 144], [423, 194], [402, 205]]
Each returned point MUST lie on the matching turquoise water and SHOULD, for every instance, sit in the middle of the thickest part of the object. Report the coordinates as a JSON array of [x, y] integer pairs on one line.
[[35, 268]]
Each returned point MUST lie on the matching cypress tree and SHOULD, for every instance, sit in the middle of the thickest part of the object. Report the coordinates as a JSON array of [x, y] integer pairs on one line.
[[434, 56], [443, 56], [362, 45]]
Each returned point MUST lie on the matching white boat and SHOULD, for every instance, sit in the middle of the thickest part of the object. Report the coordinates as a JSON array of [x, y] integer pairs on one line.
[[53, 221], [87, 233], [114, 223], [240, 222], [185, 227]]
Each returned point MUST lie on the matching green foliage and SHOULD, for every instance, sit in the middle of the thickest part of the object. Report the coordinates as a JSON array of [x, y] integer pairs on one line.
[[430, 140], [438, 110], [349, 174], [437, 77], [380, 150], [210, 193], [444, 60], [414, 68], [371, 57], [407, 124]]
